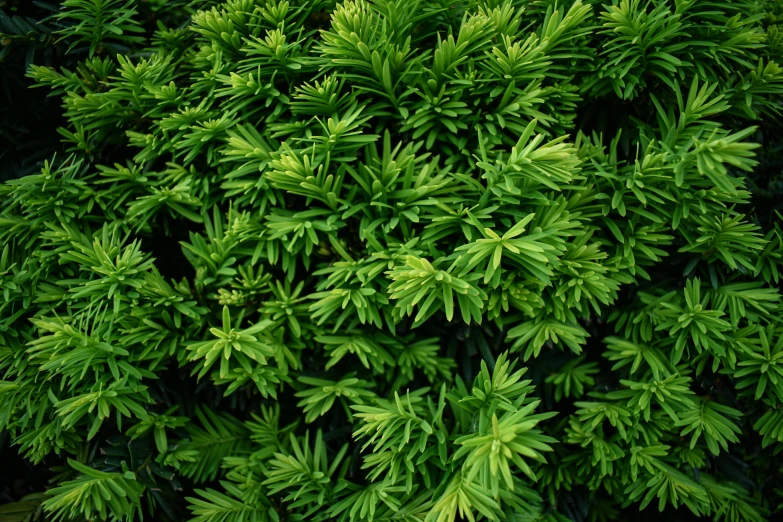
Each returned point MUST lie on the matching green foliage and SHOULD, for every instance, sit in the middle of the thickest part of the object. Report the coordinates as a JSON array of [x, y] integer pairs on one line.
[[99, 23], [95, 494], [291, 257]]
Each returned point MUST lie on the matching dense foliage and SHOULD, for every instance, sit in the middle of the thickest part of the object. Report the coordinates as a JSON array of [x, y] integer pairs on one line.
[[410, 260]]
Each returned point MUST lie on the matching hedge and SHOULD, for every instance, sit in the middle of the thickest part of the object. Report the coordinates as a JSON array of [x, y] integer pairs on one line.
[[391, 260]]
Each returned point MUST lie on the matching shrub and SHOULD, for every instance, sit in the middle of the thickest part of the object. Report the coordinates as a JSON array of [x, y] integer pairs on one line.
[[400, 260]]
